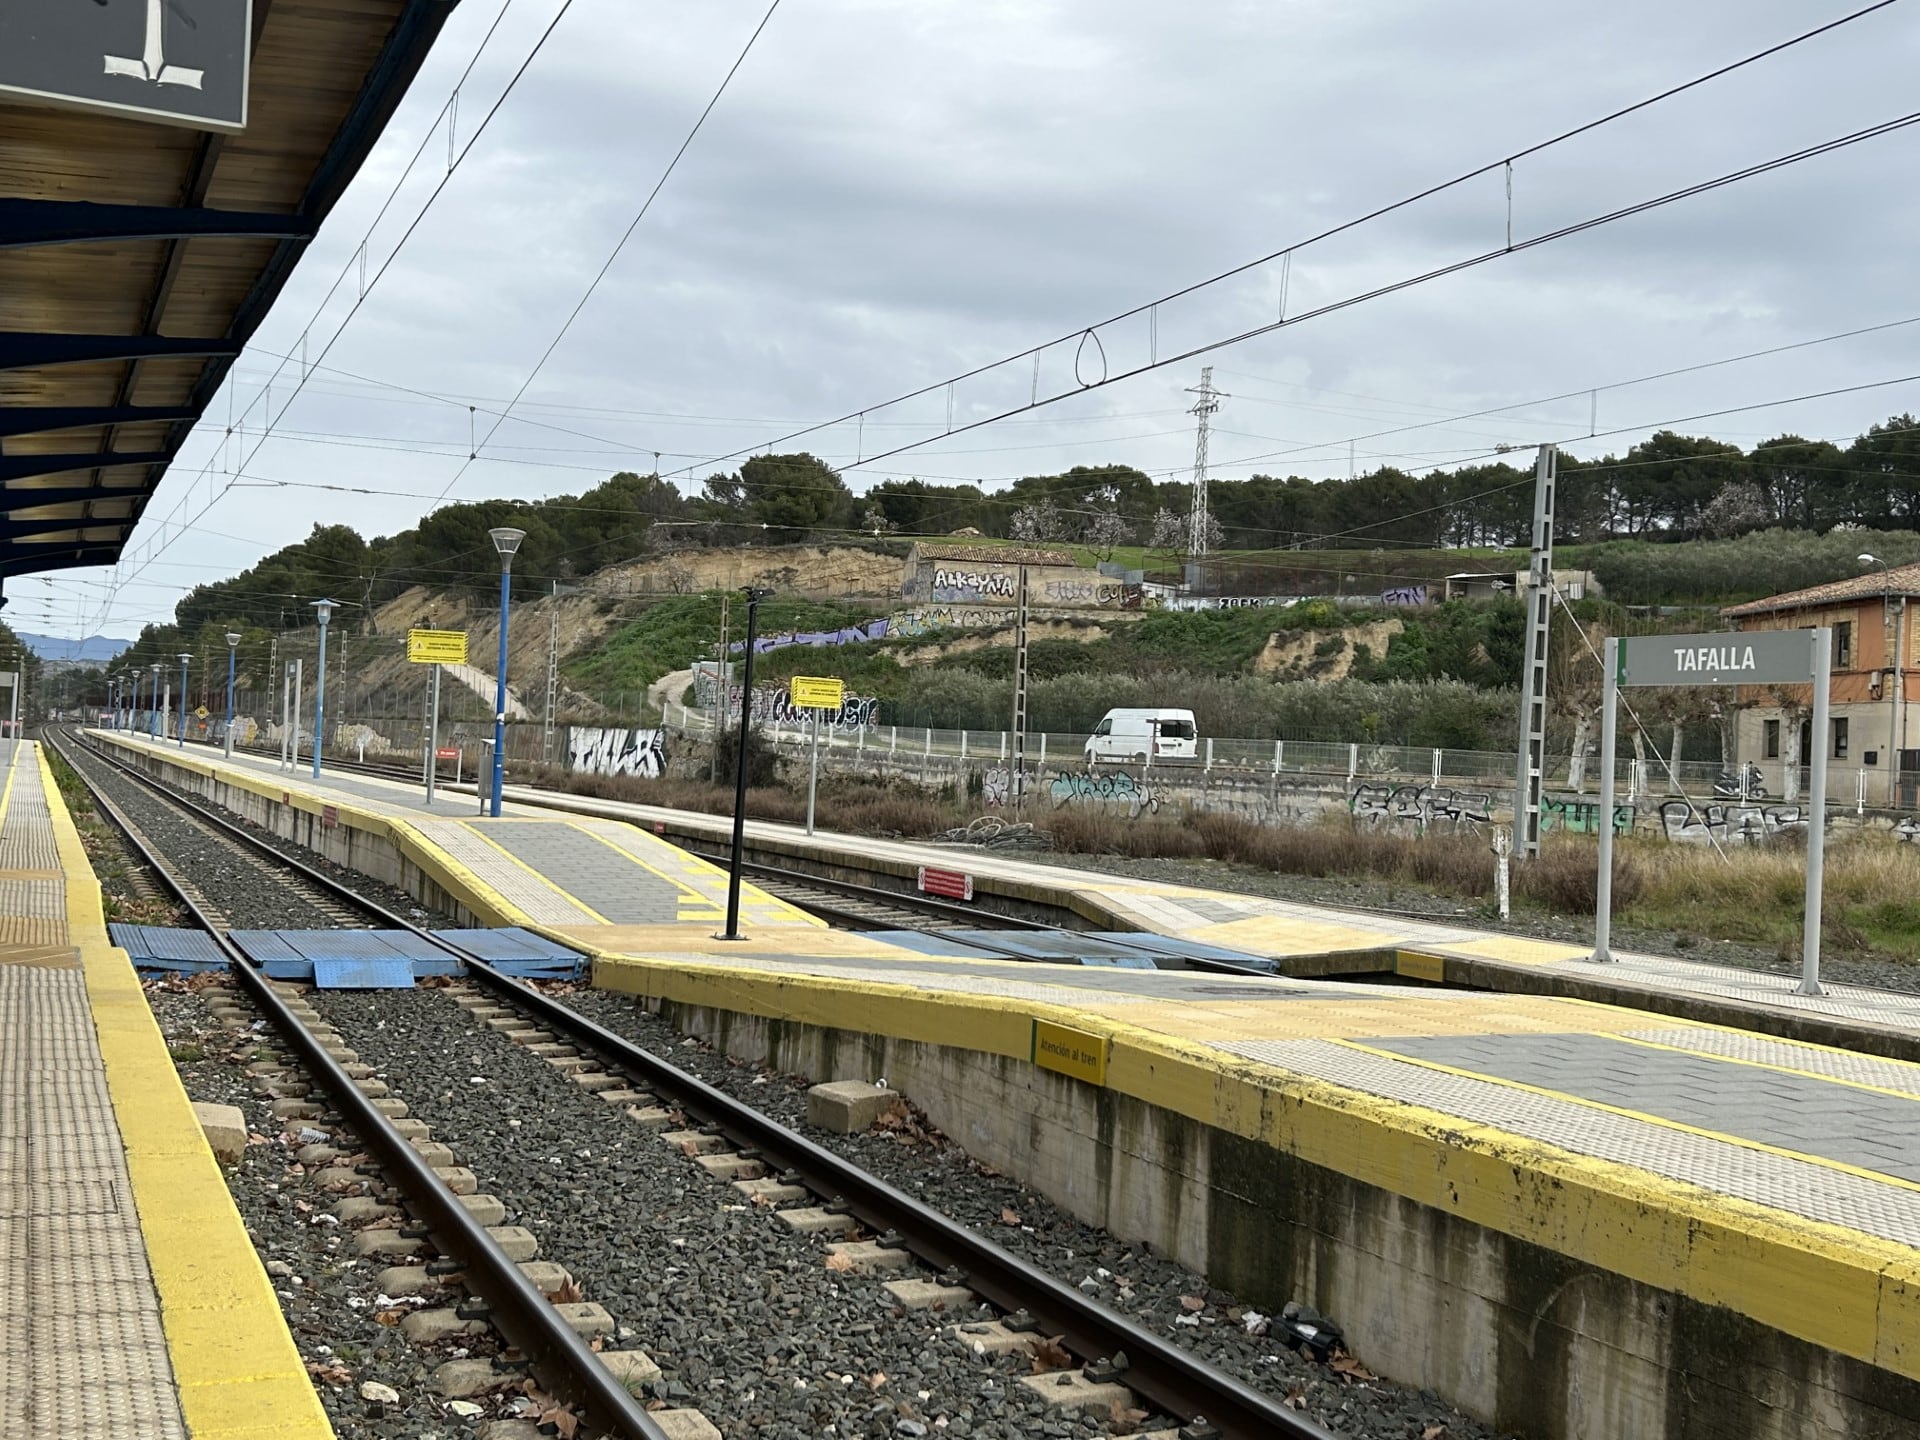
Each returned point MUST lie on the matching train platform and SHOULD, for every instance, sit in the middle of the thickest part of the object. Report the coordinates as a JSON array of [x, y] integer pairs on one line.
[[131, 1301], [1757, 1192]]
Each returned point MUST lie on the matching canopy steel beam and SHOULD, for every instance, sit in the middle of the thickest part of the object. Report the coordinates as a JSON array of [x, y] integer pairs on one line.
[[15, 500], [25, 223], [22, 467], [35, 420], [23, 349]]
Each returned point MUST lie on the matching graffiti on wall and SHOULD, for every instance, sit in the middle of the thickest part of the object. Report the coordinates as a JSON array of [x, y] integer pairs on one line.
[[1404, 595], [1092, 592], [1581, 817], [929, 618], [1114, 788], [617, 751], [1421, 807], [1688, 823], [973, 585], [850, 635]]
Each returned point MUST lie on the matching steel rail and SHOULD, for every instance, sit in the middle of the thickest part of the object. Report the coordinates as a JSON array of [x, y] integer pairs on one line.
[[1178, 1383], [561, 1360]]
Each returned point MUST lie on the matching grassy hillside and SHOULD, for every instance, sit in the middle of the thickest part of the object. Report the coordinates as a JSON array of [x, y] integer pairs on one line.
[[672, 634]]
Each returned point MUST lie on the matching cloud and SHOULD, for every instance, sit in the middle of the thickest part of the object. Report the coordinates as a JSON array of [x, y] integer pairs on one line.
[[897, 190]]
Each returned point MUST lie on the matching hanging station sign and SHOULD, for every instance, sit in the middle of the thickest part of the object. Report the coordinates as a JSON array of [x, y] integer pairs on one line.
[[180, 62]]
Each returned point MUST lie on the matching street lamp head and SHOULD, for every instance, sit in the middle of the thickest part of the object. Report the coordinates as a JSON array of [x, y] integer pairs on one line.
[[184, 657], [233, 638], [507, 540], [323, 611], [1868, 559], [154, 667]]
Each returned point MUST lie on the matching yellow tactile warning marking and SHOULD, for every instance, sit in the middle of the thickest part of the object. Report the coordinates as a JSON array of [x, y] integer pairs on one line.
[[239, 1374], [544, 881]]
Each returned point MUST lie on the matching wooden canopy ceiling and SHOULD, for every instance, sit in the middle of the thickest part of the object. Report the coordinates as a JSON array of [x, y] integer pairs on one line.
[[136, 259]]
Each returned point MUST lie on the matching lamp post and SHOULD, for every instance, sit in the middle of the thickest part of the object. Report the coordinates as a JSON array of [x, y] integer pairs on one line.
[[153, 704], [323, 612], [233, 648], [184, 658], [130, 697], [506, 540], [754, 597]]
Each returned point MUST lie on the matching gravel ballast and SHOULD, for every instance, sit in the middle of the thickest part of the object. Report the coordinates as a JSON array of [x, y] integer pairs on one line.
[[746, 1320]]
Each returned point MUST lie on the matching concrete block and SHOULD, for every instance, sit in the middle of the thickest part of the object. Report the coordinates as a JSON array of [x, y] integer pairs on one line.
[[625, 1097], [650, 1117], [457, 1379], [1071, 1390], [380, 1242], [428, 1327], [363, 1209], [550, 1279], [930, 1295], [595, 1080], [730, 1167], [868, 1257], [294, 1110], [358, 1070], [693, 1142], [568, 1064], [586, 1318], [509, 1430], [407, 1280], [437, 1156], [770, 1191], [457, 1178], [517, 1242], [390, 1107], [551, 1049], [847, 1107], [487, 1209], [812, 1220], [225, 1127], [314, 1156], [685, 1425], [407, 1128], [990, 1337], [372, 1089], [338, 1177], [528, 1037], [632, 1368]]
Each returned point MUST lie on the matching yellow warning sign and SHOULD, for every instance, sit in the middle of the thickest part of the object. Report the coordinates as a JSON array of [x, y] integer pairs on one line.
[[201, 712], [811, 692], [437, 647], [1078, 1053]]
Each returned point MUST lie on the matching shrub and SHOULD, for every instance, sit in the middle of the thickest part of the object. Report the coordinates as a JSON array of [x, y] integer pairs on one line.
[[1565, 879]]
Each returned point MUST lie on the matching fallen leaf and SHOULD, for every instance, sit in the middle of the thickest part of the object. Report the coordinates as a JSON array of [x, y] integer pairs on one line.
[[839, 1262], [568, 1293], [1296, 1398], [565, 1423], [1050, 1354], [1351, 1368], [389, 1317], [1434, 1432], [876, 1380], [1192, 1304], [1123, 1419], [1009, 1216]]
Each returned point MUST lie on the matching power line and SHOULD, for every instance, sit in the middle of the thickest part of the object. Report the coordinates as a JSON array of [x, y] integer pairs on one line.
[[620, 245], [1149, 311]]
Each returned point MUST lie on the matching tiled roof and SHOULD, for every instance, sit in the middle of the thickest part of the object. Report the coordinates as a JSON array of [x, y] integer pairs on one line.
[[990, 554], [1868, 585]]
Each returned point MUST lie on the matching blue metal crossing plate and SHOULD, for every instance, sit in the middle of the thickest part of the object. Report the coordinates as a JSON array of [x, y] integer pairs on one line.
[[155, 947], [518, 952], [371, 972]]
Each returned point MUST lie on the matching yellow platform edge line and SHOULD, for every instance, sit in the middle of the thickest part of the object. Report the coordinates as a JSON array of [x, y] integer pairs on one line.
[[238, 1370], [1825, 1284]]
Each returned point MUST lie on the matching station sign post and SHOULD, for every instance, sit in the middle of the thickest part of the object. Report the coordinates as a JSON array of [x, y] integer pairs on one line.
[[814, 694], [1756, 657], [177, 62], [436, 648]]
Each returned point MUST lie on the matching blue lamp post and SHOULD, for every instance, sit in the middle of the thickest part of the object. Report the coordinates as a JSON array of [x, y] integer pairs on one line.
[[323, 612], [153, 704], [184, 658], [113, 699], [506, 540], [129, 697], [233, 648]]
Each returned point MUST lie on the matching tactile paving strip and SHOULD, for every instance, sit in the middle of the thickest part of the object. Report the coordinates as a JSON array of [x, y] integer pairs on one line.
[[1844, 1065], [82, 1350], [528, 894], [1725, 1167]]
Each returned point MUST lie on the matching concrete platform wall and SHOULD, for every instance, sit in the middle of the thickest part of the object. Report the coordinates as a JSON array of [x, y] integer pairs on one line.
[[1527, 1339]]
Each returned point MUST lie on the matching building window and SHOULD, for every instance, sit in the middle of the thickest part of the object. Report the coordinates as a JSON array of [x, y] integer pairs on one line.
[[1839, 739], [1842, 645], [1770, 731]]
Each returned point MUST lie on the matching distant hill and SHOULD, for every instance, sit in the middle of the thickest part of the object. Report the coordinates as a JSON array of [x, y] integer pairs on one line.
[[94, 650]]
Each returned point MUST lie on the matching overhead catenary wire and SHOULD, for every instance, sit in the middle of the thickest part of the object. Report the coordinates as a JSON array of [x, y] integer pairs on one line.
[[1512, 247]]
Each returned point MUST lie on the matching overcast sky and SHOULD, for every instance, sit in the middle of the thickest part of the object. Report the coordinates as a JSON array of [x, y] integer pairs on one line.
[[894, 191]]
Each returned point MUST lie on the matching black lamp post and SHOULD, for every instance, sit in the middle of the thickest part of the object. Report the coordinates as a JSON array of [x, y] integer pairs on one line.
[[754, 597]]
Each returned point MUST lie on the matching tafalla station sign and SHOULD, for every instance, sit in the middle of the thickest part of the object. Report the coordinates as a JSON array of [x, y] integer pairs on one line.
[[1753, 657]]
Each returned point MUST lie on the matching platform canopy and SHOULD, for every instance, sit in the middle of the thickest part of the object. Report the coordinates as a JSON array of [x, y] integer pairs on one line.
[[153, 203]]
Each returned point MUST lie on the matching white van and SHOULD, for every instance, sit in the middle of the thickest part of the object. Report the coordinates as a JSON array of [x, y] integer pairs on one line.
[[1144, 737]]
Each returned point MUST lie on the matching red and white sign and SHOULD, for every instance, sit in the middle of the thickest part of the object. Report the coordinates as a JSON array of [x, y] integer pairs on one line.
[[949, 884], [446, 752]]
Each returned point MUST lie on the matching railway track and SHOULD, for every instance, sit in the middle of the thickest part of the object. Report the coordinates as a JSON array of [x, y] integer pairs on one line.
[[732, 1142]]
